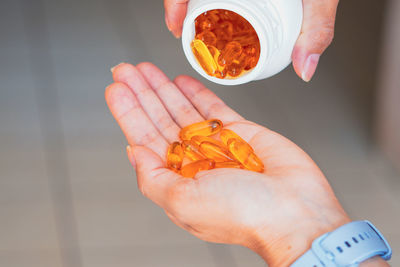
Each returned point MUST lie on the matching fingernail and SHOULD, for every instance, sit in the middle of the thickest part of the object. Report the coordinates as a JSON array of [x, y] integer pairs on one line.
[[310, 66], [131, 157], [175, 32], [113, 68]]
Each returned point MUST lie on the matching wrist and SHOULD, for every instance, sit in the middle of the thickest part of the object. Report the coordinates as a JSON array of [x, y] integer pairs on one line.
[[374, 262], [279, 249]]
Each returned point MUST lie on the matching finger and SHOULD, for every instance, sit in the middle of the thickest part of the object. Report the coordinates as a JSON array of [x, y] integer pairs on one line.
[[135, 124], [175, 13], [154, 180], [151, 104], [316, 35], [180, 108], [207, 103]]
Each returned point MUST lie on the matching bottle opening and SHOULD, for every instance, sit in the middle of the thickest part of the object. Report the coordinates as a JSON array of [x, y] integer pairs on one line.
[[225, 45]]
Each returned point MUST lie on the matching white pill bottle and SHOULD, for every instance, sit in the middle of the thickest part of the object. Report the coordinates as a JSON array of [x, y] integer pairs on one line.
[[276, 22]]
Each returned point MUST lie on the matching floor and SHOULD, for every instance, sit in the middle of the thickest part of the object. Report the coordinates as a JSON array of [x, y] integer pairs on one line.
[[68, 195]]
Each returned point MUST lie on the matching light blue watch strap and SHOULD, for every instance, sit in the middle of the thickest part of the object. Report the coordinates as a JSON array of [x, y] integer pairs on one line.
[[349, 245]]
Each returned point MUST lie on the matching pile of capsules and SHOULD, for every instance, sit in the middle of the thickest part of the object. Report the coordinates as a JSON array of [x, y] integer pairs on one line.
[[206, 153], [225, 44]]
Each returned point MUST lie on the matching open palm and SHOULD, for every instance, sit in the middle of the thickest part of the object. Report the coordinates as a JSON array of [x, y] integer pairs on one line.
[[257, 210]]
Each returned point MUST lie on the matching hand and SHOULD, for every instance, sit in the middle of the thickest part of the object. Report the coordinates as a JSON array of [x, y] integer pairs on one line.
[[316, 33], [277, 213]]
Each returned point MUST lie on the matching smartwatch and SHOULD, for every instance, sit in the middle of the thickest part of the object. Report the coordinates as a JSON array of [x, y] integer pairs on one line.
[[347, 246]]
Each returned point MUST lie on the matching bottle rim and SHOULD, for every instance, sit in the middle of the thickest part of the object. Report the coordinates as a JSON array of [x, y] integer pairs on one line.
[[248, 13]]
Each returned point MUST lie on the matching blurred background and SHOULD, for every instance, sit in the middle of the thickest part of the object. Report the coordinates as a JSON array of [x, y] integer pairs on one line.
[[68, 194]]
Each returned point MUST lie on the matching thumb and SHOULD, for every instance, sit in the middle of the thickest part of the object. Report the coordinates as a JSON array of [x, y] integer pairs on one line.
[[316, 35], [153, 179], [175, 12]]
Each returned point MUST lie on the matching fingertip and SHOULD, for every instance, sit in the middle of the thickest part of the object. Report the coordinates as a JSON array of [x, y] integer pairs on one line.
[[122, 71], [298, 58], [186, 82], [310, 66], [112, 90], [119, 99], [175, 13], [131, 157], [113, 68], [181, 79], [305, 63]]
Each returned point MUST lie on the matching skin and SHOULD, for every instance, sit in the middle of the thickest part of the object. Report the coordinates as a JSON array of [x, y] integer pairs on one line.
[[316, 33], [277, 213]]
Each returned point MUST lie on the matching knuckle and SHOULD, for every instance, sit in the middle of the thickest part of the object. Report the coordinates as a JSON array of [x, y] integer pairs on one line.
[[148, 138], [323, 37], [214, 108], [141, 187]]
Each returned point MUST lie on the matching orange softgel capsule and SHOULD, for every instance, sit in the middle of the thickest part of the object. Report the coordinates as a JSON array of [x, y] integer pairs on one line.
[[198, 139], [232, 36], [191, 169], [208, 38], [215, 152], [231, 52], [204, 128], [245, 156], [228, 164], [175, 156], [204, 57], [226, 135], [191, 150]]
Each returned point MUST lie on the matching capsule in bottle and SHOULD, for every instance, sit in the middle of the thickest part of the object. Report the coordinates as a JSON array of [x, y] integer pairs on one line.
[[204, 128], [207, 37], [232, 51], [204, 57], [221, 72], [191, 169]]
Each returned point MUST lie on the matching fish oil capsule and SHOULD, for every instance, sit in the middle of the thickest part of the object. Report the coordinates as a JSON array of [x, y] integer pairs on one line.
[[204, 57], [191, 169], [224, 31], [175, 156], [245, 38], [245, 156], [232, 51], [228, 164], [203, 24], [213, 16], [215, 152], [221, 44], [191, 150], [207, 37], [221, 72], [253, 54], [198, 139], [226, 135], [204, 128], [236, 68]]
